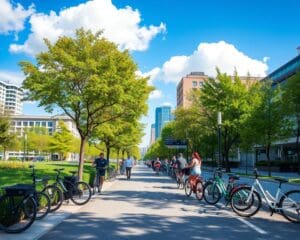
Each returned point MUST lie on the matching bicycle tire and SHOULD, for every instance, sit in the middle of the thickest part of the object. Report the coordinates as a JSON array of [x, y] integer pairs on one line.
[[43, 205], [178, 182], [79, 190], [56, 197], [215, 192], [297, 206], [199, 191], [25, 214], [239, 197], [187, 188]]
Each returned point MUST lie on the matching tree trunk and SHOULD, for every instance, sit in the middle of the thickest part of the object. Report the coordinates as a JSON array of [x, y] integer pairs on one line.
[[268, 158], [81, 158], [107, 152], [123, 153], [118, 153]]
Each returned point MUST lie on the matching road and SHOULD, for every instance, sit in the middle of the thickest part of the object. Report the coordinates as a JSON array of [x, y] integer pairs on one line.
[[151, 207]]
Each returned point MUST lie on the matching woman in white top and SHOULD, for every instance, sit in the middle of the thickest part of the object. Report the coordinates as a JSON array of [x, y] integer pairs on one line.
[[195, 164]]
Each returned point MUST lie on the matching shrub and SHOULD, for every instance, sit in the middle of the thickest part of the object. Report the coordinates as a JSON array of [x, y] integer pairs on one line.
[[13, 165]]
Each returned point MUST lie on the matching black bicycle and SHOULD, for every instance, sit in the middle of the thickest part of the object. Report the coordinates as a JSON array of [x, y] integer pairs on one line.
[[18, 208], [41, 198], [78, 191]]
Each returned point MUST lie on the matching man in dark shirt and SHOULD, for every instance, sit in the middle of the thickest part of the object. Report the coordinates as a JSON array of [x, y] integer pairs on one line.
[[101, 165]]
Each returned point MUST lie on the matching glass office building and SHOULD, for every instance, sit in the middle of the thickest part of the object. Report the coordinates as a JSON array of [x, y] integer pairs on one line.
[[162, 116]]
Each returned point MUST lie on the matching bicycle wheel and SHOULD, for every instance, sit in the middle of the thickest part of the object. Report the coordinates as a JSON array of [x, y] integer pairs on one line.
[[187, 188], [43, 205], [290, 206], [245, 204], [81, 193], [199, 191], [55, 195], [17, 213], [212, 193]]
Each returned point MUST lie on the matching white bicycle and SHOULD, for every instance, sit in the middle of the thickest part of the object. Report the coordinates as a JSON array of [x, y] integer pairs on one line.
[[246, 201]]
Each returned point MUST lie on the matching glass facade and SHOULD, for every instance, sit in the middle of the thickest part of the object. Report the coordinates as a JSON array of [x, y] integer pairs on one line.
[[162, 116]]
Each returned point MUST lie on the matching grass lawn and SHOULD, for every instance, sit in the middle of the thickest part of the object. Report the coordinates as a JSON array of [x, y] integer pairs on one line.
[[18, 172], [291, 180]]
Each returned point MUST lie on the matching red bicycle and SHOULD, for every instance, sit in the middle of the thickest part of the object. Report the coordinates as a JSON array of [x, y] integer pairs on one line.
[[194, 184]]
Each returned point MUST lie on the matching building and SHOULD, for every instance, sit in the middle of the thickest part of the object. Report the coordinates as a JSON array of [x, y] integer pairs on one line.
[[10, 99], [162, 116], [286, 149], [19, 124], [193, 80], [152, 134]]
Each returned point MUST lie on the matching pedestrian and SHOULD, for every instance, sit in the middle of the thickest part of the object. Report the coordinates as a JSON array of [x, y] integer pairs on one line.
[[128, 165], [122, 166], [101, 165]]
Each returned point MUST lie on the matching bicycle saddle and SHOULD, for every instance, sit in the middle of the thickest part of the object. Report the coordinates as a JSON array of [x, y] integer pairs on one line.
[[281, 180], [58, 169]]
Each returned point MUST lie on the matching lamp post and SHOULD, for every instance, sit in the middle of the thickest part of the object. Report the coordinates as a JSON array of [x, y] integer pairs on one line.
[[219, 138]]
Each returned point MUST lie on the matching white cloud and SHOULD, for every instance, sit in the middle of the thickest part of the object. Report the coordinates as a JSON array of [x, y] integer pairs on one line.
[[206, 58], [153, 74], [13, 16], [12, 77], [121, 26], [155, 94]]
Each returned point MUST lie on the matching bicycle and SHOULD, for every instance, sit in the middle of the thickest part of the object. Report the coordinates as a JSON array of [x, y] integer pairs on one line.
[[181, 176], [216, 188], [96, 182], [79, 192], [194, 184], [42, 199], [288, 204], [18, 208]]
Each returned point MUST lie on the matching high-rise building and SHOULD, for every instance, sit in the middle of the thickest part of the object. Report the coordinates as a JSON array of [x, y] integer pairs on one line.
[[10, 98], [193, 80], [152, 134], [162, 116]]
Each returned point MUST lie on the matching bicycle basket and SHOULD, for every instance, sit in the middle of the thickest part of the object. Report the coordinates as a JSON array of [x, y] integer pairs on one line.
[[19, 190]]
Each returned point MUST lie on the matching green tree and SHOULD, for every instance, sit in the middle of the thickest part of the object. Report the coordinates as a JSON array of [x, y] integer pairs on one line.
[[62, 141], [89, 79], [38, 140], [230, 96], [291, 100], [268, 122]]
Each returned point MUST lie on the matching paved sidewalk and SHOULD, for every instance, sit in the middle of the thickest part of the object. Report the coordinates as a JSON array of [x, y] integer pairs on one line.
[[41, 227], [150, 207]]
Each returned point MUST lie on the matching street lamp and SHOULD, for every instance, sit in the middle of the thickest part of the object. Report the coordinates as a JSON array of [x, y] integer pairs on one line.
[[219, 138]]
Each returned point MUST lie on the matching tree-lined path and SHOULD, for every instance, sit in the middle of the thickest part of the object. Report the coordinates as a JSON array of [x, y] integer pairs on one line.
[[151, 207]]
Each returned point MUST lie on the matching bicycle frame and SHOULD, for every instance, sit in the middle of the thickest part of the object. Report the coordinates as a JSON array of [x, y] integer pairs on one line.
[[273, 202]]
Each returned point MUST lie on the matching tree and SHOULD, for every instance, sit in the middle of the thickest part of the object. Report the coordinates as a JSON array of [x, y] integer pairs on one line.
[[268, 122], [291, 100], [62, 141], [5, 137], [230, 96], [89, 79], [38, 139]]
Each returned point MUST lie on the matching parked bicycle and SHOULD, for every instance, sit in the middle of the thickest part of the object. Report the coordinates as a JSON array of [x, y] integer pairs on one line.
[[42, 199], [246, 201], [18, 208], [79, 192], [216, 188]]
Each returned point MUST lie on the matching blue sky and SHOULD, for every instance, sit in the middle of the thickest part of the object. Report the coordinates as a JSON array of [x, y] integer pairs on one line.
[[191, 35]]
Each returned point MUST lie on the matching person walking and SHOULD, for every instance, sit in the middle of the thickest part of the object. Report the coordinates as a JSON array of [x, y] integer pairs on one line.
[[122, 166], [101, 165], [128, 165]]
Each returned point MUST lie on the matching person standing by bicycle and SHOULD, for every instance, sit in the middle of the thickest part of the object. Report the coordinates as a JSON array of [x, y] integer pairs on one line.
[[128, 164], [101, 165]]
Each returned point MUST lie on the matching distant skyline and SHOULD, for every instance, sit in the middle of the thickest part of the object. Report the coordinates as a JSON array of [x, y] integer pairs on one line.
[[168, 39]]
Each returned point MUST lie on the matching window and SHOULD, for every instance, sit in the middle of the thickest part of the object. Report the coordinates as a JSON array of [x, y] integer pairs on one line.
[[194, 83], [44, 124], [19, 123], [201, 84], [50, 124], [25, 124], [31, 124], [37, 124]]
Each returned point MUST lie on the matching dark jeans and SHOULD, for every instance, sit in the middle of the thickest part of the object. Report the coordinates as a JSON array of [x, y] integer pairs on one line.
[[128, 172]]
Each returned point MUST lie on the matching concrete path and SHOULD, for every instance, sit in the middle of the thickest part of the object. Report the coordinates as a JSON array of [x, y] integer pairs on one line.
[[151, 207]]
